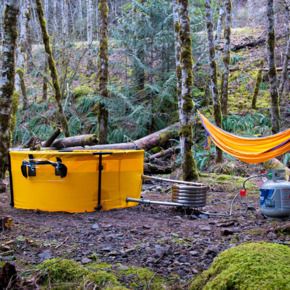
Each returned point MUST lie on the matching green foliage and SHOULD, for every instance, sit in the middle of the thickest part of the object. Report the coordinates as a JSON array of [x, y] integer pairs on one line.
[[236, 58], [255, 124], [81, 91], [248, 266]]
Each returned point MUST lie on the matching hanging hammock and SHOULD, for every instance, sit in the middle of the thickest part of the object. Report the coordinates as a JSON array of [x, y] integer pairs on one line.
[[249, 150]]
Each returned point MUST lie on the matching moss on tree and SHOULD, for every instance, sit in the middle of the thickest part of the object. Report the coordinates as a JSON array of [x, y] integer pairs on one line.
[[248, 266], [52, 67], [103, 73], [7, 81], [186, 105]]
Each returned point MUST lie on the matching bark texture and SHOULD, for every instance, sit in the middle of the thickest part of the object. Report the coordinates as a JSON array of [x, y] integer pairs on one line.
[[226, 56], [103, 73], [52, 67], [220, 22], [286, 56], [21, 53], [257, 85], [159, 138], [275, 106], [213, 73], [7, 80], [189, 167], [177, 52]]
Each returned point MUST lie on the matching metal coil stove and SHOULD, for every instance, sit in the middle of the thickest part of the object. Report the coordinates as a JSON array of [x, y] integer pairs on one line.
[[189, 196]]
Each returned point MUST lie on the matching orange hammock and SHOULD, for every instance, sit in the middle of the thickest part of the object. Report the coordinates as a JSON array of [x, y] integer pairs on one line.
[[249, 150]]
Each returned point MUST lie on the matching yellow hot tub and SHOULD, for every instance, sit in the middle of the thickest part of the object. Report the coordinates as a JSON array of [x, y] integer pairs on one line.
[[76, 181]]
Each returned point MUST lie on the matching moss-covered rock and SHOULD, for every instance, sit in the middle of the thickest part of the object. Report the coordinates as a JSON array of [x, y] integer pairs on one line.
[[248, 266]]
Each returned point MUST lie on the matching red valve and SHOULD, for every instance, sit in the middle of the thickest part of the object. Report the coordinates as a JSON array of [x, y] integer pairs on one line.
[[243, 193]]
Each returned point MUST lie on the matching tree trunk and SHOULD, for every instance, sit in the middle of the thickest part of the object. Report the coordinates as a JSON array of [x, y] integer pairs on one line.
[[275, 107], [52, 67], [20, 54], [226, 57], [90, 63], [139, 59], [44, 83], [213, 73], [29, 41], [103, 73], [286, 56], [80, 20], [220, 22], [257, 85], [189, 168], [7, 80], [177, 53]]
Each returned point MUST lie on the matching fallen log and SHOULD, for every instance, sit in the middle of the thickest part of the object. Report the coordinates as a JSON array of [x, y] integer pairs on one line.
[[81, 140], [51, 139], [159, 138], [150, 168], [164, 153]]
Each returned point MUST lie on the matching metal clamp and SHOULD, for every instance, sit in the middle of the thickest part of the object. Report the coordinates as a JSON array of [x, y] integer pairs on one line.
[[28, 168]]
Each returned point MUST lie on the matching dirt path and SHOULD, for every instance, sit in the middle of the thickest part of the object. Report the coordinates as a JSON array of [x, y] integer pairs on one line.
[[173, 243]]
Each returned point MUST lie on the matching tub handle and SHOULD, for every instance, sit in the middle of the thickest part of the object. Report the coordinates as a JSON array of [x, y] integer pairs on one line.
[[28, 167]]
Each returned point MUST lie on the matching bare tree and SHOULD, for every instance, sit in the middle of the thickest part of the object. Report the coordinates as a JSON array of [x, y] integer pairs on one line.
[[275, 107], [213, 72], [52, 67], [226, 57], [7, 81], [103, 73], [189, 167]]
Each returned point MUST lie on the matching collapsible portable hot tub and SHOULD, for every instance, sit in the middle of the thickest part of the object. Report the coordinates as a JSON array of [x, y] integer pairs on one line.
[[76, 181]]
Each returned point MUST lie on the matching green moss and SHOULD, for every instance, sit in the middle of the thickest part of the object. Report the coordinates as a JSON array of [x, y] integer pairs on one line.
[[248, 266], [142, 278], [103, 279], [81, 91], [62, 270]]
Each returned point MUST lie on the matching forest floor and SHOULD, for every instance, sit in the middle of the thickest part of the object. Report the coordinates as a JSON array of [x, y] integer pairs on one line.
[[173, 243]]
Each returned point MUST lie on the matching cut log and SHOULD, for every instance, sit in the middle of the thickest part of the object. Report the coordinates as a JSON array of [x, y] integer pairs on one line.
[[51, 139], [159, 138], [81, 140]]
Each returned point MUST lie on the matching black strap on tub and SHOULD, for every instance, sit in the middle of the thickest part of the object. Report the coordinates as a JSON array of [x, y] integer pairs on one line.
[[28, 168], [11, 181], [100, 169]]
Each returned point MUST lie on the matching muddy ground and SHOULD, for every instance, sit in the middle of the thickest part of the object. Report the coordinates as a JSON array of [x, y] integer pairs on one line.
[[177, 244]]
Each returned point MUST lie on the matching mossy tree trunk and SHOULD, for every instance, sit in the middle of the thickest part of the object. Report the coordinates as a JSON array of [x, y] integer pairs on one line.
[[286, 56], [7, 80], [275, 106], [90, 63], [139, 60], [52, 67], [257, 85], [103, 73], [220, 22], [226, 57], [189, 167], [20, 87], [177, 52], [213, 73]]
